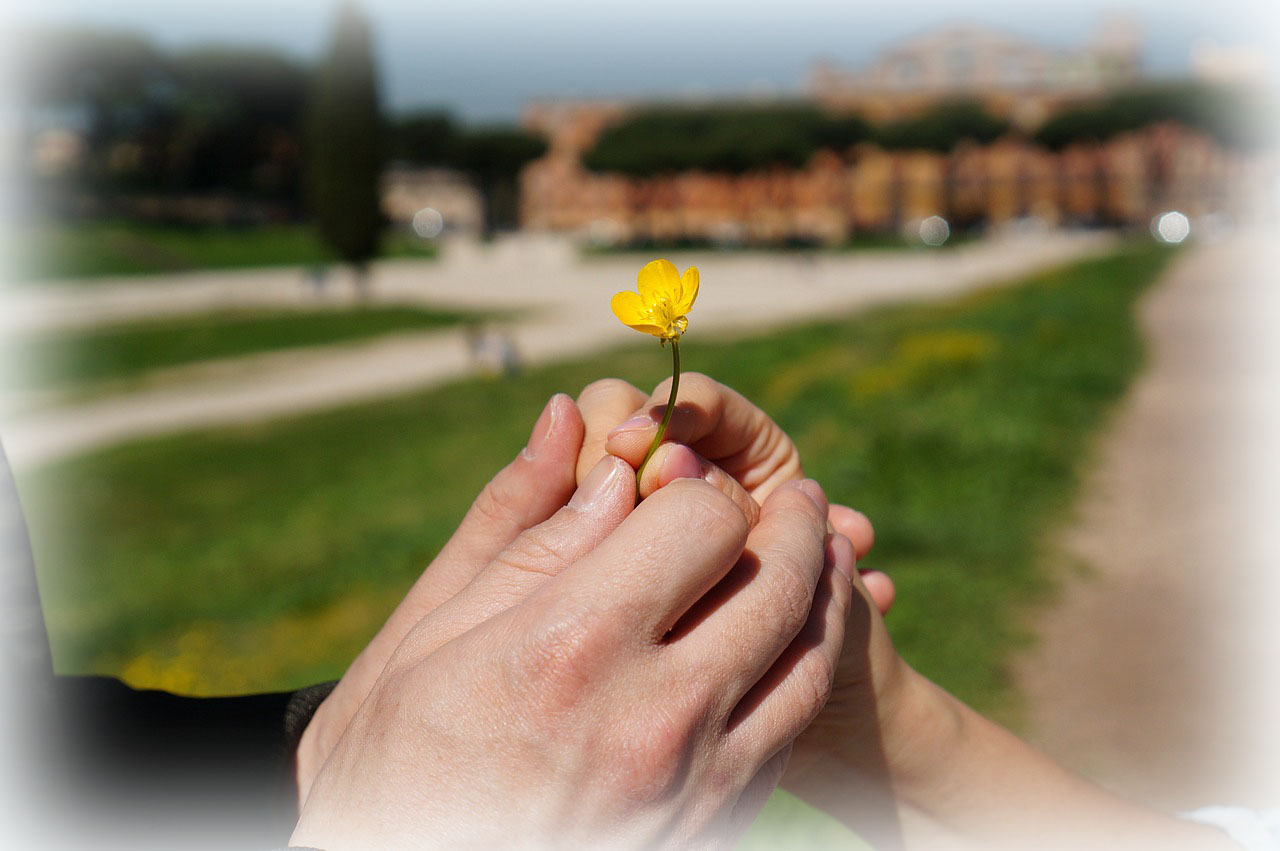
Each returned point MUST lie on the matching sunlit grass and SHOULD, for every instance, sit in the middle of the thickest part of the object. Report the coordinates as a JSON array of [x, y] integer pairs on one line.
[[262, 557], [78, 358], [962, 446], [90, 250]]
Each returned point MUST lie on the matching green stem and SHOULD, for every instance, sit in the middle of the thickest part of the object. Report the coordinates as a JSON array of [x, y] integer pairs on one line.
[[671, 407]]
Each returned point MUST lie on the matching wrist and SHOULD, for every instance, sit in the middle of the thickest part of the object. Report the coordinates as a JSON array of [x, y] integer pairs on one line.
[[924, 731]]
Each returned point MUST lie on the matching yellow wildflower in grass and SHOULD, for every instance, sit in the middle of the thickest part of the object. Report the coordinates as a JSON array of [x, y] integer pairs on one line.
[[660, 308], [663, 302]]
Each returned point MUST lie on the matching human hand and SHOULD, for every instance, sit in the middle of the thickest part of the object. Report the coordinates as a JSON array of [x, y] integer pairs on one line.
[[744, 454], [643, 695], [538, 482], [715, 434]]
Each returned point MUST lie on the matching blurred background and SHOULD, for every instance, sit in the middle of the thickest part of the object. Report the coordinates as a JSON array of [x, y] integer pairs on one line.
[[287, 282]]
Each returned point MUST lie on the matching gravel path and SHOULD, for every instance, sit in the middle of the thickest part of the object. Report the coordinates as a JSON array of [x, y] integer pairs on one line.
[[1158, 669], [566, 312]]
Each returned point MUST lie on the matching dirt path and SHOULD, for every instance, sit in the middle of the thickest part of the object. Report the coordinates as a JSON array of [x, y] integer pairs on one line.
[[1158, 669], [567, 313]]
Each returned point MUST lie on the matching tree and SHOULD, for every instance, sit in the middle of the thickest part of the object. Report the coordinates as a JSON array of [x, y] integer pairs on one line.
[[943, 127], [344, 142], [239, 115], [493, 158], [423, 138], [727, 139], [1236, 117]]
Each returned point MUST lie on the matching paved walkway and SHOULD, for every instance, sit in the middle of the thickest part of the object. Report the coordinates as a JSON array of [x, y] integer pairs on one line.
[[566, 304], [1158, 670]]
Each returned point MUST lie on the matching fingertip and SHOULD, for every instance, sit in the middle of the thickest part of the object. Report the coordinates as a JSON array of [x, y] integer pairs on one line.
[[814, 491], [680, 462], [632, 442], [808, 488], [880, 588], [558, 427], [855, 526]]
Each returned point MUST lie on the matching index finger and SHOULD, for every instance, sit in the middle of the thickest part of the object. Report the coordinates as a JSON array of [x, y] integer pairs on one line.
[[604, 404], [722, 426]]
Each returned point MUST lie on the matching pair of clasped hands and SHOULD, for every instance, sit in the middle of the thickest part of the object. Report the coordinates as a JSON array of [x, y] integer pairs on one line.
[[577, 668]]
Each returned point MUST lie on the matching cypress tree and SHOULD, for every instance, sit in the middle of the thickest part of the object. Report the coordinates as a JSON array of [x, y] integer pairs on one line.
[[344, 141]]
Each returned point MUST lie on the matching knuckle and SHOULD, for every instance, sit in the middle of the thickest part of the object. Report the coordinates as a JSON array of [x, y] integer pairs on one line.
[[533, 551], [794, 595], [708, 509], [794, 526], [791, 582], [650, 755], [707, 393], [606, 388], [798, 515], [552, 664], [699, 384], [817, 676], [391, 695], [497, 502]]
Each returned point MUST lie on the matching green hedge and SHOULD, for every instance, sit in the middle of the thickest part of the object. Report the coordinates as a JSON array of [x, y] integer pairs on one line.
[[1236, 117], [733, 139]]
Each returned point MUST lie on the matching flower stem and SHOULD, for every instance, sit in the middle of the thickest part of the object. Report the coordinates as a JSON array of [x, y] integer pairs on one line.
[[671, 407]]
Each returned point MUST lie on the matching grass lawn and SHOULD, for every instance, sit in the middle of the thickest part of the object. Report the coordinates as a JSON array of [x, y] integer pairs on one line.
[[263, 557], [76, 359], [99, 249]]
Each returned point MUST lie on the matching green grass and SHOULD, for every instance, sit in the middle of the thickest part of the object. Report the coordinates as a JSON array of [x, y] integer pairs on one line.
[[98, 249], [957, 427], [265, 556], [74, 360]]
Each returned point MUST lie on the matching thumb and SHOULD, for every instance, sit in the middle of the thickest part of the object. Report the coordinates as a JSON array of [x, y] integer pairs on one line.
[[526, 492]]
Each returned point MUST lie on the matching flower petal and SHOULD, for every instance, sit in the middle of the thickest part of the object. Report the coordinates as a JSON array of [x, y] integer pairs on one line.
[[628, 307], [658, 280], [689, 291], [650, 329]]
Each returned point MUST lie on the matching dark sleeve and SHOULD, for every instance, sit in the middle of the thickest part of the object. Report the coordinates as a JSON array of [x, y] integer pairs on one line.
[[204, 766]]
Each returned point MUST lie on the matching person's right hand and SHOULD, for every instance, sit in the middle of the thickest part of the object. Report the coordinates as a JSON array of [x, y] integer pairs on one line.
[[645, 695], [715, 434], [743, 453]]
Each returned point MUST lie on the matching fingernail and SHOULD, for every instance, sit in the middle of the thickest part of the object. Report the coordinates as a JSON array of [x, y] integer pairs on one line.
[[541, 429], [639, 423], [813, 490], [680, 463], [598, 483]]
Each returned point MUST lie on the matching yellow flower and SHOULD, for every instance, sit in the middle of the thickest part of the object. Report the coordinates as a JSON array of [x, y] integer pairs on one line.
[[664, 299]]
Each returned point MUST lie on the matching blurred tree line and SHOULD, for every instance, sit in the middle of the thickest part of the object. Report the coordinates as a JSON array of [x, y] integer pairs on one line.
[[732, 139], [281, 138], [211, 118], [278, 138], [751, 138], [1236, 117]]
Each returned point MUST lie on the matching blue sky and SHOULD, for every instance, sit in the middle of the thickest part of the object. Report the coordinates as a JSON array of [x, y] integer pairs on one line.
[[486, 59]]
